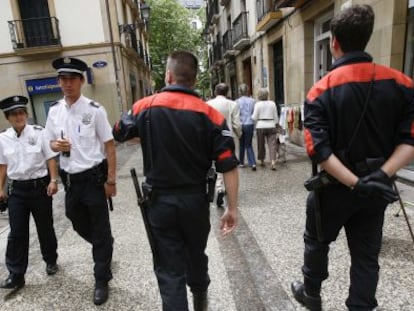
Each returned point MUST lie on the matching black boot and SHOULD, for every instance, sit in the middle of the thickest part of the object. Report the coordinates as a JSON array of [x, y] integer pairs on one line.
[[101, 293], [13, 281], [313, 303], [200, 301], [220, 198]]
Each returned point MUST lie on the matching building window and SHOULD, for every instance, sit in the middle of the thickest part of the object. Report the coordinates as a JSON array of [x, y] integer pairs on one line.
[[323, 56]]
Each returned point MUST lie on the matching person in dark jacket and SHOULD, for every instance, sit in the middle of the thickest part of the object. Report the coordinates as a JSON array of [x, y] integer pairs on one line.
[[358, 128], [180, 136]]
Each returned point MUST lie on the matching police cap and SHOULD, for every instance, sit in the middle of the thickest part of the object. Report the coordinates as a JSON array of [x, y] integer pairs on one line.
[[13, 102], [69, 66]]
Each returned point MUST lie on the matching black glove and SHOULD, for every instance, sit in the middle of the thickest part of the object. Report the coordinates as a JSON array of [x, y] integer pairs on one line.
[[375, 190], [379, 176]]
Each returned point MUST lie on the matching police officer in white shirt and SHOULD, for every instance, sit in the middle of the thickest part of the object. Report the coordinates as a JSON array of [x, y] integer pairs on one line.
[[79, 129], [30, 166]]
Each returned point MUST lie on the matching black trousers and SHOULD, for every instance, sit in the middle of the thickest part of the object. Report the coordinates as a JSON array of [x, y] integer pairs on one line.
[[180, 225], [363, 220], [86, 207], [25, 199]]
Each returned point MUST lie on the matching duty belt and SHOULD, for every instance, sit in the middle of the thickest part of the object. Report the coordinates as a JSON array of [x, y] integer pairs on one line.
[[85, 175], [31, 183]]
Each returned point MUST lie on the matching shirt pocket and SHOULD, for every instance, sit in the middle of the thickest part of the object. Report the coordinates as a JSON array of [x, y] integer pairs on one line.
[[9, 153], [33, 149], [87, 135]]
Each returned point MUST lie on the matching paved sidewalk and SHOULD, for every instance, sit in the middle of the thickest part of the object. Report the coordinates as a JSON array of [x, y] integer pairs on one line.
[[251, 270]]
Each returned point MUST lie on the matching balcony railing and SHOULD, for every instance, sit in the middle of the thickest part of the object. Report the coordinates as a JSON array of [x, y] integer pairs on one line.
[[217, 53], [212, 11], [240, 32], [34, 32], [228, 48]]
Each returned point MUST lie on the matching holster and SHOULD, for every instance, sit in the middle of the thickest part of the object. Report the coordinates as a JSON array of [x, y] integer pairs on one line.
[[147, 192], [211, 184]]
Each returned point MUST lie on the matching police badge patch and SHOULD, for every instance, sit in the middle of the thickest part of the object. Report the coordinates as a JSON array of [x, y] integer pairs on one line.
[[31, 140], [86, 118]]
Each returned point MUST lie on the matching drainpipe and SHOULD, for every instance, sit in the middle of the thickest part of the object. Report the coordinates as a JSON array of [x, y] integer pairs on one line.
[[111, 36]]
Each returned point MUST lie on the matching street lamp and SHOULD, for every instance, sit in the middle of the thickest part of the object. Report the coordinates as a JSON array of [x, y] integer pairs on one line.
[[145, 11], [145, 16]]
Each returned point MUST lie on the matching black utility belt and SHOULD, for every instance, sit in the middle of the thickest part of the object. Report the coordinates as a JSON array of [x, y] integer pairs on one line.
[[31, 183], [87, 174], [180, 190]]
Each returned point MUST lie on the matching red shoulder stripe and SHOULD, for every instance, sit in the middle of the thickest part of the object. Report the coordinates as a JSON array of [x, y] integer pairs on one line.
[[178, 101], [361, 72]]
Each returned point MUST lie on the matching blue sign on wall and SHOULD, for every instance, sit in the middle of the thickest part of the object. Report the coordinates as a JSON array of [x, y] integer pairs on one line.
[[42, 86]]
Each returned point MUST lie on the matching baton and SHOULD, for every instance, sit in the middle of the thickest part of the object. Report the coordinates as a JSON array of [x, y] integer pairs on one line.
[[110, 204]]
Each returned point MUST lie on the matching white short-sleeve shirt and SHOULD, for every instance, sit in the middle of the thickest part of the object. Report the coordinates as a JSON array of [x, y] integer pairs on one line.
[[25, 155], [85, 124]]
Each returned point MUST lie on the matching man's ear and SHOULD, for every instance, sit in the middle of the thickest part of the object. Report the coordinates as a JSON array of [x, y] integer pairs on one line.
[[335, 44], [168, 77]]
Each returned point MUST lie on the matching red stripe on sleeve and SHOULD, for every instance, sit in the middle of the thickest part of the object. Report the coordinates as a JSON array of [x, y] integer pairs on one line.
[[224, 155], [309, 142]]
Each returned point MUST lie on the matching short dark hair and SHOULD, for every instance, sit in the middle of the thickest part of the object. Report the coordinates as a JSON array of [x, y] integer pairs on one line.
[[184, 66], [353, 27], [221, 89], [9, 112]]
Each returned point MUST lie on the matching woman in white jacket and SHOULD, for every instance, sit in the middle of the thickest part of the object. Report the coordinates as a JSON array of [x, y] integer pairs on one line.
[[265, 117]]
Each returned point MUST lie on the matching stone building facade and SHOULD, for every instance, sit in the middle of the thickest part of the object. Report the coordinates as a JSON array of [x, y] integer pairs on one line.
[[283, 45], [111, 36]]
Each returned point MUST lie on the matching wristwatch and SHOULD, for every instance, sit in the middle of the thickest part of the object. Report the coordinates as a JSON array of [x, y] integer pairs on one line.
[[54, 180]]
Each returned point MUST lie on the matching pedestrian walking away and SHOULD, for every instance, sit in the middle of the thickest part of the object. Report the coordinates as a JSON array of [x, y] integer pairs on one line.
[[358, 128], [231, 112], [246, 106], [78, 128], [180, 136], [266, 119], [29, 164]]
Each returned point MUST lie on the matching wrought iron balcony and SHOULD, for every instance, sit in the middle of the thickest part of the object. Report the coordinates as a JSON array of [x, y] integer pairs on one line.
[[228, 49], [269, 13], [240, 33], [34, 33], [217, 54], [213, 12]]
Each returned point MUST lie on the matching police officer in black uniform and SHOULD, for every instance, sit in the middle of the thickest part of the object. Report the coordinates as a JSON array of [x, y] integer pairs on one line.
[[359, 122], [78, 128], [30, 165], [180, 136]]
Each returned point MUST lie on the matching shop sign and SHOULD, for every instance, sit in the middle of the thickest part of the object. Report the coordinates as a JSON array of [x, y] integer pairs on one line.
[[42, 86]]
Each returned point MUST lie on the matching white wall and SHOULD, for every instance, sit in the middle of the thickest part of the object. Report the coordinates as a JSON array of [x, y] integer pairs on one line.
[[77, 16], [5, 16]]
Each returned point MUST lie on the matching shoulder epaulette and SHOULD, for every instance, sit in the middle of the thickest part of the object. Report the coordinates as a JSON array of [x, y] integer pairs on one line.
[[38, 127], [96, 105], [56, 102]]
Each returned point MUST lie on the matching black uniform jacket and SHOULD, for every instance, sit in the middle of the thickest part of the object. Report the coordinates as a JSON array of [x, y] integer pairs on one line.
[[180, 137], [334, 105]]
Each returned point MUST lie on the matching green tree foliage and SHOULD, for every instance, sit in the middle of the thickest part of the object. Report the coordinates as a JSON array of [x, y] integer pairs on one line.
[[170, 30]]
